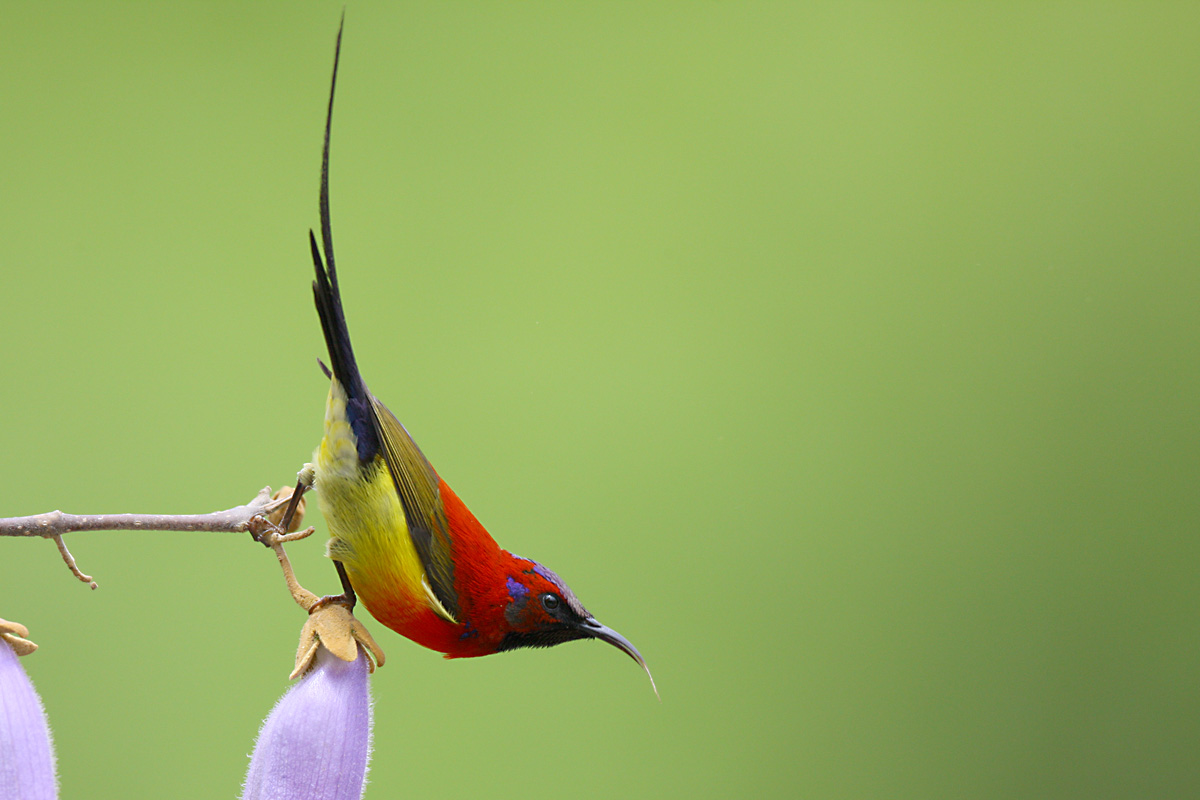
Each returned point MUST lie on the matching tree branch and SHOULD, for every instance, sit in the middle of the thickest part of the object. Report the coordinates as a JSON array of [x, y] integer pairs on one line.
[[56, 523], [52, 525]]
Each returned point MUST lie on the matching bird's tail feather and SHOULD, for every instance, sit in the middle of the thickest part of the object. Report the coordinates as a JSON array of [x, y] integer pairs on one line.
[[328, 300]]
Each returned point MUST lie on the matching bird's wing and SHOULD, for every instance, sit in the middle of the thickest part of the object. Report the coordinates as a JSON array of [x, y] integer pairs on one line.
[[417, 484]]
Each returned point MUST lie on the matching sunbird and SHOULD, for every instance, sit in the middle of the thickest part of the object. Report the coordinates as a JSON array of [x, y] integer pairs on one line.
[[400, 538]]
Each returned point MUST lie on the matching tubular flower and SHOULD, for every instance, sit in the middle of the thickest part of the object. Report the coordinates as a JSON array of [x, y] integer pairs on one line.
[[316, 742], [26, 754]]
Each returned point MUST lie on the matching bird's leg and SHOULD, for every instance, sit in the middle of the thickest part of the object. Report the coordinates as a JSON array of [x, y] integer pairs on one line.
[[280, 524], [347, 598], [348, 590], [274, 538], [329, 623], [297, 496]]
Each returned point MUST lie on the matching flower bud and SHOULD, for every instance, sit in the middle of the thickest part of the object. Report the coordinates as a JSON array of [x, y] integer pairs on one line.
[[26, 754], [316, 742]]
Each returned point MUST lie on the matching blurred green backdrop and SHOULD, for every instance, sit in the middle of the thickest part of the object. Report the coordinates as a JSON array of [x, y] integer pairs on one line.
[[843, 356]]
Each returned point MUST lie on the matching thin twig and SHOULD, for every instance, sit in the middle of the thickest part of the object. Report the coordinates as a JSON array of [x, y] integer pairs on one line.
[[331, 623], [56, 523], [279, 527], [70, 559], [303, 597]]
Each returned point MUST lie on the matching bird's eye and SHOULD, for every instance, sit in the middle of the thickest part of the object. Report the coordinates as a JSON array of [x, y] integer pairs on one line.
[[549, 601]]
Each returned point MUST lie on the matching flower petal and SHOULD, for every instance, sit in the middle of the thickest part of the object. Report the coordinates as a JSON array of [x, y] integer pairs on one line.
[[26, 754], [316, 742]]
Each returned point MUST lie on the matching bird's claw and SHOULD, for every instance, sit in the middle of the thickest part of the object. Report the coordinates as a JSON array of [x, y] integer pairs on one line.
[[330, 622], [268, 530], [342, 600]]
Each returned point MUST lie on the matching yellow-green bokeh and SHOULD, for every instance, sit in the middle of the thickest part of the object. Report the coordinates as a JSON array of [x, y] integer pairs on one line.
[[842, 356]]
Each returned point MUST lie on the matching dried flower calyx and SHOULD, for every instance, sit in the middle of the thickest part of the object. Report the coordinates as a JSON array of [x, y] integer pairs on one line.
[[16, 635]]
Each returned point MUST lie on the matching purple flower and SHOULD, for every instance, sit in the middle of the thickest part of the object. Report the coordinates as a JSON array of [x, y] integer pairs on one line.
[[26, 754], [316, 742]]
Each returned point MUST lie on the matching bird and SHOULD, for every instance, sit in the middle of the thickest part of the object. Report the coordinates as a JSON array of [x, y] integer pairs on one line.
[[401, 539]]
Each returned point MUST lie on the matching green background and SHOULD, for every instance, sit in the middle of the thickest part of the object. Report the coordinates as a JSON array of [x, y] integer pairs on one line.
[[842, 356]]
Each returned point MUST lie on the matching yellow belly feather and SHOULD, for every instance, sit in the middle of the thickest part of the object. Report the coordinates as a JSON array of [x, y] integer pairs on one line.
[[367, 530]]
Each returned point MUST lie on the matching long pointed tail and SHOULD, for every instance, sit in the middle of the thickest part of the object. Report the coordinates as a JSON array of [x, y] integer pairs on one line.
[[328, 300], [333, 324]]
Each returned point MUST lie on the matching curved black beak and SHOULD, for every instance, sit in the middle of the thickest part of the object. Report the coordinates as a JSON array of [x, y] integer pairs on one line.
[[590, 627]]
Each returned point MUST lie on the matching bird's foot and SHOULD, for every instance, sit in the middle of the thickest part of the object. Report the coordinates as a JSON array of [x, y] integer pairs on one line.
[[347, 598], [347, 602], [283, 519], [279, 527], [331, 622]]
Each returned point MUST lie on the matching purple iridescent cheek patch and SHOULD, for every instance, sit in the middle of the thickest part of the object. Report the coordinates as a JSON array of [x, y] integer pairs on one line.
[[518, 596], [516, 590]]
